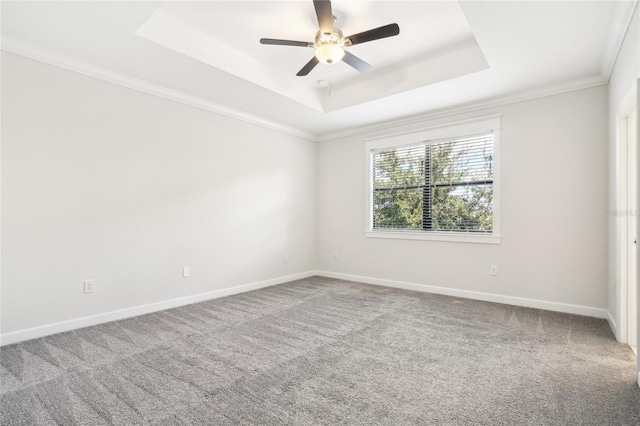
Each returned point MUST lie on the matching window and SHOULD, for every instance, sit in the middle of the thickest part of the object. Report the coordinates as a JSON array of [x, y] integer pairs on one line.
[[435, 184]]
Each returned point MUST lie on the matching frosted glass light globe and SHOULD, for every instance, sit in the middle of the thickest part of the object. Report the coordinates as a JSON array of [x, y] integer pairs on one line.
[[329, 53]]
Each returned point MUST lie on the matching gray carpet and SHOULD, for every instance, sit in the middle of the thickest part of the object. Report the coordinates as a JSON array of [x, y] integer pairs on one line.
[[326, 352]]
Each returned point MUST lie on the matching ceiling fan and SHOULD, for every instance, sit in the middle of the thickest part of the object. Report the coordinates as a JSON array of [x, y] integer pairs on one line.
[[330, 43]]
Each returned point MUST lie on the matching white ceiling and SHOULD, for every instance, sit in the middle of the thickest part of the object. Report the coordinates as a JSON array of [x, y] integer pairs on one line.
[[208, 32], [207, 54]]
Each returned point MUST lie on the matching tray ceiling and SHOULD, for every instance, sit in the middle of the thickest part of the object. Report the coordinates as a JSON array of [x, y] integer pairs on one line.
[[426, 51], [448, 53]]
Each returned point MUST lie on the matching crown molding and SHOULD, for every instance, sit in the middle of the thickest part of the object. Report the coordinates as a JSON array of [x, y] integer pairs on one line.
[[542, 92], [623, 15], [620, 23], [69, 63]]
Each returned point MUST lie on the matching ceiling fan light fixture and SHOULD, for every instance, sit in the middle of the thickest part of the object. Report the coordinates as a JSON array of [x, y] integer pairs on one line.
[[329, 53], [330, 43]]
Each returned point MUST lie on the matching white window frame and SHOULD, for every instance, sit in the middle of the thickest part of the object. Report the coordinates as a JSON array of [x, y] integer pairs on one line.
[[436, 133]]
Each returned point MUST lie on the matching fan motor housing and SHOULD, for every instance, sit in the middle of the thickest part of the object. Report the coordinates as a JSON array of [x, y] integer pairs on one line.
[[335, 37]]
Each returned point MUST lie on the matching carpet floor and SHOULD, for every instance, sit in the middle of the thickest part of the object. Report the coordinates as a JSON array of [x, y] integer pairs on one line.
[[326, 352]]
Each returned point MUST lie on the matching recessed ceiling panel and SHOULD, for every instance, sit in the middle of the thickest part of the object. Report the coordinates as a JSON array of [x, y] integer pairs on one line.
[[435, 44]]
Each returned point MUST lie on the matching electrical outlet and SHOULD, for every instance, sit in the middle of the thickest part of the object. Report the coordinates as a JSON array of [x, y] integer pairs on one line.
[[285, 258], [493, 270], [336, 256], [89, 286], [186, 272]]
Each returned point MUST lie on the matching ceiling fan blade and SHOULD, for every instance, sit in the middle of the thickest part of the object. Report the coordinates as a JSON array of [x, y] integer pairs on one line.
[[325, 15], [375, 34], [285, 42], [356, 62], [307, 68]]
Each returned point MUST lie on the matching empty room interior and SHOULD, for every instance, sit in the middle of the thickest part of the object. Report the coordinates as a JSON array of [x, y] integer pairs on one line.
[[319, 212]]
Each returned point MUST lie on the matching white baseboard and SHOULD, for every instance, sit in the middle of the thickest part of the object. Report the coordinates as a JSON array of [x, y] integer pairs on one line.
[[59, 327], [73, 324], [467, 294], [613, 325]]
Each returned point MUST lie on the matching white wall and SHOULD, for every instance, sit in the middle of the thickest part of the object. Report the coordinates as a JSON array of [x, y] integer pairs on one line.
[[554, 199], [103, 182], [99, 181], [621, 86]]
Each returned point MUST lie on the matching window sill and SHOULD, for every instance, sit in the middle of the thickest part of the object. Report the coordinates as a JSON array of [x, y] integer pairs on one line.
[[459, 237]]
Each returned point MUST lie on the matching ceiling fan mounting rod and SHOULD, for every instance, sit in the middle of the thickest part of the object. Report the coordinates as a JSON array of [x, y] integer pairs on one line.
[[328, 33]]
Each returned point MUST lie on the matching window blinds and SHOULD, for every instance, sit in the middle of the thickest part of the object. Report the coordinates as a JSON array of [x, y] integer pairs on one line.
[[443, 185]]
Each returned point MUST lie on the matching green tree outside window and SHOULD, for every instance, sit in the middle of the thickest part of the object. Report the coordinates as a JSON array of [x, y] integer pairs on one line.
[[435, 186]]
